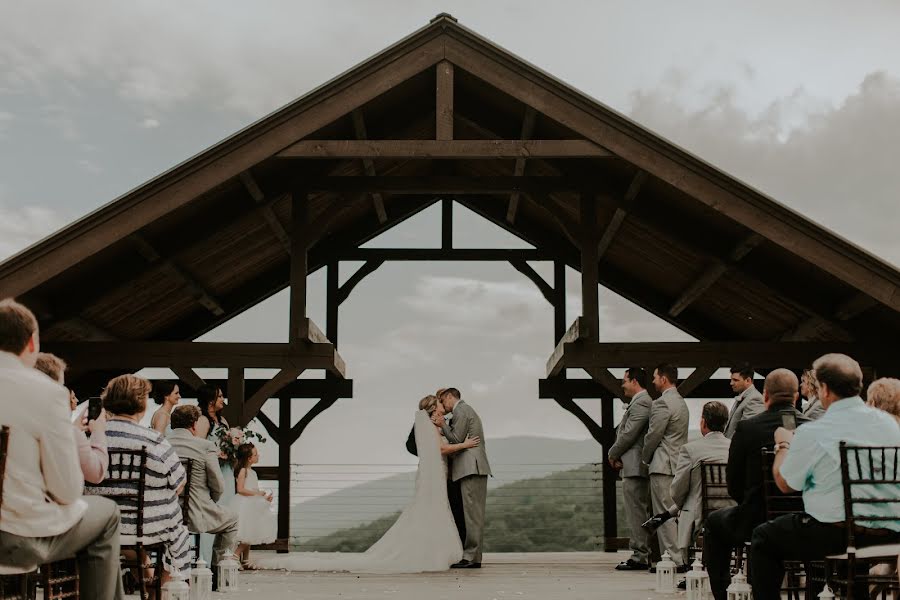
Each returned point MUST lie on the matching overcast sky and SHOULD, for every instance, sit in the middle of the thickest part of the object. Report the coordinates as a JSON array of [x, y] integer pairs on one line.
[[800, 100]]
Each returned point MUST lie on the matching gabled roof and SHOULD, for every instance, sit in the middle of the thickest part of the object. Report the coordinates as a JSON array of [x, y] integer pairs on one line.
[[207, 239]]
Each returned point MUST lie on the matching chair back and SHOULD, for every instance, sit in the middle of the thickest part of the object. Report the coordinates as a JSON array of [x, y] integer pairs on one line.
[[867, 473], [127, 474], [713, 488], [4, 445], [776, 502], [188, 464]]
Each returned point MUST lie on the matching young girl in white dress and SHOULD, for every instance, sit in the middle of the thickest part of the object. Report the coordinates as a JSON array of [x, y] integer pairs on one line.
[[256, 521]]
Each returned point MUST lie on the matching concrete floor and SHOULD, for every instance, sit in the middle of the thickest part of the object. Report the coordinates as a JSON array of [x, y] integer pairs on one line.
[[557, 576]]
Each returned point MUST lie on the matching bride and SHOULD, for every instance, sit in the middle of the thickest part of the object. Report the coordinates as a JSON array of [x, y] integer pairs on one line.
[[424, 538]]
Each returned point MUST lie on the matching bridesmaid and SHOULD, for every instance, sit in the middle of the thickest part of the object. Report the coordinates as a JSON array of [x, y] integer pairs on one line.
[[166, 393], [211, 402]]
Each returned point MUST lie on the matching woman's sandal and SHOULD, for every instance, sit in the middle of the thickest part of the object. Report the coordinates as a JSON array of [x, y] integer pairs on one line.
[[246, 565]]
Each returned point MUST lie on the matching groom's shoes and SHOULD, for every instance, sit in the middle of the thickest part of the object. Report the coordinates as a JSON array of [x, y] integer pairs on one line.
[[466, 564]]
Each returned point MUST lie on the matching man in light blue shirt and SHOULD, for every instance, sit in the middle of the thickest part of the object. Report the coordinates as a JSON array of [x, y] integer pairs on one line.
[[810, 462]]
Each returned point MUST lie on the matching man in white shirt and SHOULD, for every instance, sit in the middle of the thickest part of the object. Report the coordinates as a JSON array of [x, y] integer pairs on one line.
[[43, 516]]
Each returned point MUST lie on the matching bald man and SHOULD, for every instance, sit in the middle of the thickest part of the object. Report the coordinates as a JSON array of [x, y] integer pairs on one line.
[[729, 527]]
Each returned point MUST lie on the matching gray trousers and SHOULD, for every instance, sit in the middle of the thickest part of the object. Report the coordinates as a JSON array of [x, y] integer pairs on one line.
[[661, 500], [93, 541], [226, 539], [636, 498], [474, 497]]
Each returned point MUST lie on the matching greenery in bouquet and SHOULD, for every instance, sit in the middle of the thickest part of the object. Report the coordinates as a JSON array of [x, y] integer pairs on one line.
[[229, 440]]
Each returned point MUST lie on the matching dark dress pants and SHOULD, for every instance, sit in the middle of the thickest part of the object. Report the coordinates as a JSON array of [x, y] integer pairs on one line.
[[454, 495], [723, 530]]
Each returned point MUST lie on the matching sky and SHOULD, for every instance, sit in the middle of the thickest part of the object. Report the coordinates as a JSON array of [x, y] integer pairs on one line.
[[800, 100]]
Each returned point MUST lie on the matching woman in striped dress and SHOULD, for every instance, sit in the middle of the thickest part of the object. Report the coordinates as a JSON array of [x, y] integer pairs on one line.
[[125, 401]]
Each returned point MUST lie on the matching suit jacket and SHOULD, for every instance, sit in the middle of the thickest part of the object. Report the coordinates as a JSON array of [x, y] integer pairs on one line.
[[686, 487], [667, 432], [471, 461], [814, 409], [744, 471], [748, 404], [207, 484], [630, 436]]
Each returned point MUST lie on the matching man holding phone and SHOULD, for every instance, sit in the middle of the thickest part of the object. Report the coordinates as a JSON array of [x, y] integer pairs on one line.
[[729, 527]]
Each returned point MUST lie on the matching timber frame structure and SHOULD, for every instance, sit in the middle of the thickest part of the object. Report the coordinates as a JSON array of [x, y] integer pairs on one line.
[[445, 116]]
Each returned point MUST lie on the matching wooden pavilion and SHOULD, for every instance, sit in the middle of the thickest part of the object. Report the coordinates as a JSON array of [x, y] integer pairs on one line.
[[445, 116]]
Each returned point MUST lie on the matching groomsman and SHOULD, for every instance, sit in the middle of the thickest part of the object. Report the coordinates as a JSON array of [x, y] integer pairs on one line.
[[625, 456], [748, 402], [666, 434]]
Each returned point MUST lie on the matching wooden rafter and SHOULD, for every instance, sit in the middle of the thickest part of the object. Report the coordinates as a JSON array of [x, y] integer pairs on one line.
[[528, 123], [525, 269], [188, 376], [359, 128], [270, 389], [318, 408], [265, 209], [612, 228], [714, 272], [700, 376], [589, 388], [441, 254], [444, 101], [153, 257], [444, 149], [854, 306], [369, 267], [315, 229]]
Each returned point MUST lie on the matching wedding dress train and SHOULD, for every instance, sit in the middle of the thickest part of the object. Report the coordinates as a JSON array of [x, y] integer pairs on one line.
[[424, 538]]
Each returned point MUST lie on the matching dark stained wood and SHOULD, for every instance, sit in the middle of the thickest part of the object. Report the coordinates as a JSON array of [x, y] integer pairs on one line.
[[559, 301], [543, 287], [567, 225], [700, 376], [590, 299], [271, 389], [606, 379], [332, 300], [854, 306], [440, 254], [299, 245], [447, 223], [577, 331], [318, 408], [612, 228], [188, 376], [301, 388], [519, 170], [714, 272], [597, 432], [237, 396], [364, 271], [444, 101], [312, 231], [610, 516], [285, 419], [443, 149], [273, 430], [359, 127], [589, 388], [265, 208]]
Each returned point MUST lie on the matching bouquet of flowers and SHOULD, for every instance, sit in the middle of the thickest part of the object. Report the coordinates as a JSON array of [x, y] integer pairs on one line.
[[231, 439]]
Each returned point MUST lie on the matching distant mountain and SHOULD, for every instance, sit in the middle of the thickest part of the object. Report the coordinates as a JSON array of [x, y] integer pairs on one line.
[[512, 459]]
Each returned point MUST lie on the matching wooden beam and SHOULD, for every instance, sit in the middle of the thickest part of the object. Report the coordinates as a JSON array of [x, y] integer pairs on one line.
[[284, 468], [299, 266], [444, 101], [589, 388], [359, 127], [364, 271], [318, 227], [590, 295], [612, 228], [593, 428], [519, 170], [525, 269], [444, 149], [714, 272], [577, 332], [559, 301], [269, 390], [236, 394], [265, 209], [606, 379], [700, 376], [189, 376], [273, 430], [567, 225], [855, 306], [317, 409], [201, 294], [439, 254], [447, 223]]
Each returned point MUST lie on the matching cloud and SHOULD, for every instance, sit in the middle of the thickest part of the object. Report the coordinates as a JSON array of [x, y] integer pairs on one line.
[[22, 226], [149, 123]]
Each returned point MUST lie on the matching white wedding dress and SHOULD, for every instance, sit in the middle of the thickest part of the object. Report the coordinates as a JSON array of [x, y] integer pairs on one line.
[[424, 538]]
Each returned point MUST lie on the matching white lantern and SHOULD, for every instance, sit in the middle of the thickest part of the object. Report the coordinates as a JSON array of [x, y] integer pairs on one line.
[[228, 575], [201, 581], [739, 588], [696, 582], [176, 588], [665, 575], [826, 594]]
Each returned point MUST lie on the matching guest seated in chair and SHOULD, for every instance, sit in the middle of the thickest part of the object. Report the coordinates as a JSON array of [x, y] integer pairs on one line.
[[44, 516], [125, 399], [203, 514]]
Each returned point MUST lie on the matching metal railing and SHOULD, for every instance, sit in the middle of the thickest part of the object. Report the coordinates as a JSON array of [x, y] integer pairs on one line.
[[530, 506]]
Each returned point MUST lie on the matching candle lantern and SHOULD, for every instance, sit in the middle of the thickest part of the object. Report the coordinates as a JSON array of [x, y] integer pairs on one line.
[[696, 582], [176, 588], [228, 575], [739, 588], [826, 594], [665, 575], [201, 581]]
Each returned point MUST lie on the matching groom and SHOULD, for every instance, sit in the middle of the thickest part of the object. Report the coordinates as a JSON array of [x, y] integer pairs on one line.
[[470, 468]]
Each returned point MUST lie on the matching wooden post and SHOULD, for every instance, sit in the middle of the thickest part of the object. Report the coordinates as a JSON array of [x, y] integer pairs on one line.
[[447, 223], [610, 521], [332, 302], [284, 467], [559, 301], [590, 300], [236, 395], [444, 101], [298, 266]]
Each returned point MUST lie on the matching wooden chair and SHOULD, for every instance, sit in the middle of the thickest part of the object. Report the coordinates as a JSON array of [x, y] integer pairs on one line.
[[777, 504], [862, 468], [127, 473], [713, 496]]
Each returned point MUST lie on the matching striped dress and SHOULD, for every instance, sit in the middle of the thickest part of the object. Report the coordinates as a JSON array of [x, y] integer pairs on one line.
[[162, 513]]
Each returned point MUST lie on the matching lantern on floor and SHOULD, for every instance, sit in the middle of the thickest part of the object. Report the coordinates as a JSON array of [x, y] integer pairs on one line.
[[826, 594], [665, 575], [201, 581], [696, 582], [176, 588], [228, 575], [739, 588]]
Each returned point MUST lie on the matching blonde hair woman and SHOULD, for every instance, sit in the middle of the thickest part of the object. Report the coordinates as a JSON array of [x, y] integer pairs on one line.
[[809, 389], [884, 394]]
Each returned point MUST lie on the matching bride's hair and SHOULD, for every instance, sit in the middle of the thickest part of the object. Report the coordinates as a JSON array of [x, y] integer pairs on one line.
[[428, 403]]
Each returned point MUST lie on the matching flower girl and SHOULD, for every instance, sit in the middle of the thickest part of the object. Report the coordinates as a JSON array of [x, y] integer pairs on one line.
[[256, 521]]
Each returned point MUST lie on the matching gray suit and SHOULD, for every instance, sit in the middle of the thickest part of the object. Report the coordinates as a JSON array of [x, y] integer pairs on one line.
[[207, 485], [470, 468], [686, 487], [635, 476], [814, 409], [666, 435], [748, 403]]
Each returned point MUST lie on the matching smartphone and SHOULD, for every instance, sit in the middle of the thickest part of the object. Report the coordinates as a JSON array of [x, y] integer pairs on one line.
[[95, 405], [789, 422]]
